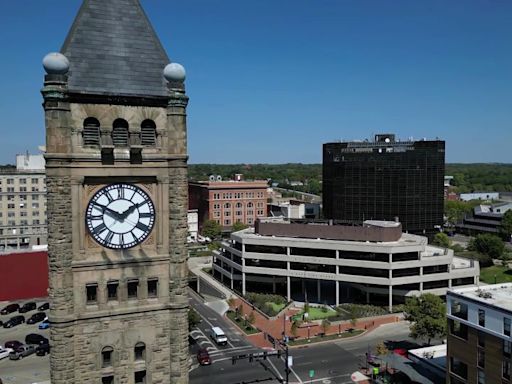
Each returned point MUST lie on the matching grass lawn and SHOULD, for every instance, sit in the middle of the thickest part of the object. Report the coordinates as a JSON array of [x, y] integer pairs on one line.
[[276, 307], [317, 339], [249, 329], [503, 274], [318, 314]]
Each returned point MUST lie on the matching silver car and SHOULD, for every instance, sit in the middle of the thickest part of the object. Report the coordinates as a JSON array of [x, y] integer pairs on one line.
[[22, 351]]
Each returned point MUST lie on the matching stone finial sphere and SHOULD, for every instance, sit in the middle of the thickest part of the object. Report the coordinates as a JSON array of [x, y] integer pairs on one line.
[[56, 63], [174, 72]]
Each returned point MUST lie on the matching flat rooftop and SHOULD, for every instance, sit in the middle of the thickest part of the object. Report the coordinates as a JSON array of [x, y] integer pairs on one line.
[[498, 295]]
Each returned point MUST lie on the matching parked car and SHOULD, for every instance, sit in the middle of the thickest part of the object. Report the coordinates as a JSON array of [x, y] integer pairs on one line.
[[4, 352], [9, 309], [44, 307], [203, 357], [43, 349], [45, 324], [35, 338], [21, 352], [13, 344], [36, 318], [30, 306], [14, 321]]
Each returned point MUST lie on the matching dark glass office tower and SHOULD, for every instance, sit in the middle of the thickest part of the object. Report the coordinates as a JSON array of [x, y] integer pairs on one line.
[[385, 180]]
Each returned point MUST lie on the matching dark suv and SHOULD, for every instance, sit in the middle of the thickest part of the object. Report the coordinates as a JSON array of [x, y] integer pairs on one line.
[[9, 309], [34, 338], [27, 307], [36, 318], [44, 307], [14, 321], [43, 349]]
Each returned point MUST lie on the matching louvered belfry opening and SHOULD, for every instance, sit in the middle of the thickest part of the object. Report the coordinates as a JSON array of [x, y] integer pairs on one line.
[[148, 133], [91, 131], [120, 133]]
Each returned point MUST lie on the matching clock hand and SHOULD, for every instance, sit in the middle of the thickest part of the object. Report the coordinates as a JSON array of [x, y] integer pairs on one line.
[[115, 214], [126, 213]]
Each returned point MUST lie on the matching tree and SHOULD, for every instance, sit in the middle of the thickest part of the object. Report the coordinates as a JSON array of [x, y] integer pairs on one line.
[[427, 313], [487, 244], [238, 226], [325, 325], [240, 311], [506, 224], [381, 349], [211, 229], [193, 319], [442, 240], [252, 318], [231, 302], [294, 328], [353, 316]]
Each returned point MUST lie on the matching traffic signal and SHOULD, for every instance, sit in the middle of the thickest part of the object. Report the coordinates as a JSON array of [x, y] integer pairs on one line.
[[250, 358], [265, 355], [278, 353], [233, 360]]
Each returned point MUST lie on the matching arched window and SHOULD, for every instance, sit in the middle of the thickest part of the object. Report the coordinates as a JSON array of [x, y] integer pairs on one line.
[[239, 205], [250, 205], [140, 351], [120, 133], [148, 133], [227, 206], [107, 354], [91, 132]]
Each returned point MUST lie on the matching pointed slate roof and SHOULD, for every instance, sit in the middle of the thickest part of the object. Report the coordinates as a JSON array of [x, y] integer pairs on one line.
[[113, 50]]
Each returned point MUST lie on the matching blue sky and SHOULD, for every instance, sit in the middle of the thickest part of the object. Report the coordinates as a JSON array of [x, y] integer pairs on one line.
[[270, 81]]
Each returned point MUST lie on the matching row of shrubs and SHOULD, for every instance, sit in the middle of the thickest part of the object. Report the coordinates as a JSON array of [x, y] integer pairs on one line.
[[263, 301], [349, 311]]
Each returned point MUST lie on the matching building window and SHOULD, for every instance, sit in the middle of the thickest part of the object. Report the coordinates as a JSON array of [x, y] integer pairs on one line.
[[238, 213], [250, 205], [458, 329], [91, 132], [112, 290], [216, 214], [227, 206], [148, 133], [92, 293], [227, 213], [481, 377], [10, 197], [216, 206], [458, 367], [481, 317], [216, 196], [506, 369], [106, 357], [227, 222], [506, 348], [23, 189], [140, 351], [238, 205], [10, 181], [153, 287], [107, 380], [35, 205], [140, 377], [260, 212], [506, 326], [120, 133], [10, 206], [10, 189], [250, 221], [133, 288], [34, 181], [481, 339], [480, 358]]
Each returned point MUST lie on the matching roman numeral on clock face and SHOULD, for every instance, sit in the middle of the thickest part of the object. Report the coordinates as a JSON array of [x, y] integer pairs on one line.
[[99, 229], [145, 215], [142, 227], [109, 237]]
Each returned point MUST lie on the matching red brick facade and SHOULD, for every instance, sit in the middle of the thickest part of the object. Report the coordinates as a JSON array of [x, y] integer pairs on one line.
[[229, 201], [23, 275]]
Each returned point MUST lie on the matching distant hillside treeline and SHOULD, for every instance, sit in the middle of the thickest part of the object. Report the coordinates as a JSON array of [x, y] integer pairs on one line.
[[481, 177], [467, 177]]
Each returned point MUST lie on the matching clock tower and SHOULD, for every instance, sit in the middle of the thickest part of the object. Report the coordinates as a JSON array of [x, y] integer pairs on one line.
[[116, 173]]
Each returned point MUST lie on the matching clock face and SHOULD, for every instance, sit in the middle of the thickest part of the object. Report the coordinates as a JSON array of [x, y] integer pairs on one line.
[[120, 216]]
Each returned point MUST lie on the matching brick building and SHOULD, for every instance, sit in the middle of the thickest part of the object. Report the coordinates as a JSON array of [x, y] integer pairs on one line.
[[229, 201], [479, 346]]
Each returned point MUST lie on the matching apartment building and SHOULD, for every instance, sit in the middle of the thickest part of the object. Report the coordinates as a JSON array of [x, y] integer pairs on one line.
[[23, 204], [479, 344], [327, 262], [228, 201]]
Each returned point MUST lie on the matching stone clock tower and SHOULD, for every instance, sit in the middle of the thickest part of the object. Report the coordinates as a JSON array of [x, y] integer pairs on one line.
[[116, 163]]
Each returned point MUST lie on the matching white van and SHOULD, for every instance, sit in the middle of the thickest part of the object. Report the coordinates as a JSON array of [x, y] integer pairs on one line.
[[218, 336]]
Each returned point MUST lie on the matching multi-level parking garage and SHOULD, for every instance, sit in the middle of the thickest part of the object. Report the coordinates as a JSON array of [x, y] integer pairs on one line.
[[325, 262]]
